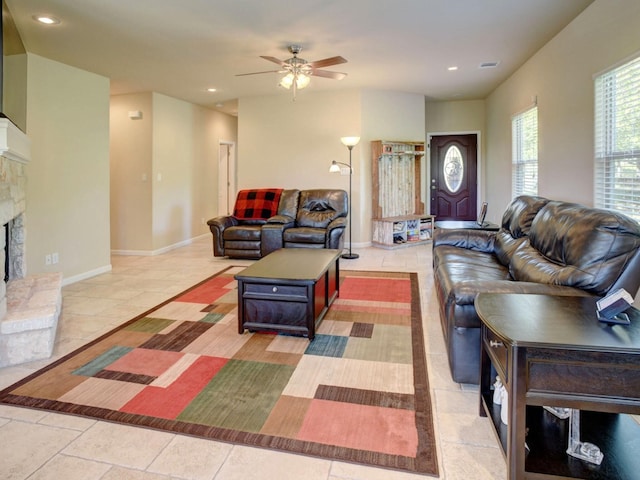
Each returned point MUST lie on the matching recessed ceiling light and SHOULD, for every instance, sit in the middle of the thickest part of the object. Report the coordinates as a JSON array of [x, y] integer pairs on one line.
[[46, 19], [452, 69], [488, 65], [211, 90]]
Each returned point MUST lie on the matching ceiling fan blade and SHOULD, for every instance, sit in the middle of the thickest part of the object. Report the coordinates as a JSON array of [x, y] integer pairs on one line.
[[258, 73], [327, 62], [273, 59], [328, 74]]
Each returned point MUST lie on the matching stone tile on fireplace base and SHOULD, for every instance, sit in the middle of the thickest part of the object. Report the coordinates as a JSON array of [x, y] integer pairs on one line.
[[28, 331]]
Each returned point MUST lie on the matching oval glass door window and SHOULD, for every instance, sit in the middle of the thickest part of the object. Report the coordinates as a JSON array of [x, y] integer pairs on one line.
[[453, 169]]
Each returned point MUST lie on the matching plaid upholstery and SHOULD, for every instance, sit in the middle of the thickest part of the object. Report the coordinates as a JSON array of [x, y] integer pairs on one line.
[[257, 204]]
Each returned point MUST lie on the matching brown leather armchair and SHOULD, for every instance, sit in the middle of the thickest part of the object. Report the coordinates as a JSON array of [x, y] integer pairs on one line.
[[320, 221], [254, 238], [308, 218]]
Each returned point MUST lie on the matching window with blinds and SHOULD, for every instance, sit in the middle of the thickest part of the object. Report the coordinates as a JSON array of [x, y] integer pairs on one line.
[[524, 138], [617, 139]]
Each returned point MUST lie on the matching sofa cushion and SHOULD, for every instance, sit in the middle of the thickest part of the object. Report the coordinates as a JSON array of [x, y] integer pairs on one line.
[[289, 204], [455, 254], [257, 203], [516, 223], [305, 235], [576, 246], [244, 233], [318, 208]]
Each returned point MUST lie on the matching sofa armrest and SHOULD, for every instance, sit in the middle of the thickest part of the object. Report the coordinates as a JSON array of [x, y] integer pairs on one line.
[[217, 226], [335, 233], [222, 222], [340, 222], [271, 238], [466, 292], [479, 240]]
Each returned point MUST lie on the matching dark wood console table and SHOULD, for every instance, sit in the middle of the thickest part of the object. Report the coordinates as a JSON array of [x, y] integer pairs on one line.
[[288, 291], [551, 350]]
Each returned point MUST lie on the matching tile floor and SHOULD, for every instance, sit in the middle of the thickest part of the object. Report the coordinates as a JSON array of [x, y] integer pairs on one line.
[[40, 445]]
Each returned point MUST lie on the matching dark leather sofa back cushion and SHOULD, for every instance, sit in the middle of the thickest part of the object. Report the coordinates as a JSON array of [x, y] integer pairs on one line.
[[577, 246], [516, 223], [319, 207], [289, 203]]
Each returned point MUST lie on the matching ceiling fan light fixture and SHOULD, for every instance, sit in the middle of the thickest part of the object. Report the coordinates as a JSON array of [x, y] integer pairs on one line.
[[298, 71], [287, 81], [302, 80]]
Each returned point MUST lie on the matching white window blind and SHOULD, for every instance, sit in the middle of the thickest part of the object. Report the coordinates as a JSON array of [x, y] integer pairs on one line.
[[524, 138], [617, 139]]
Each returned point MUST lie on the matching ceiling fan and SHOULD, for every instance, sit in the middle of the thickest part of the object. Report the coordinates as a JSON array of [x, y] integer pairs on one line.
[[298, 71]]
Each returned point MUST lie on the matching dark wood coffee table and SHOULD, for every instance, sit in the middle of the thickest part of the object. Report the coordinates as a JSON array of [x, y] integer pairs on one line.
[[288, 291], [552, 350]]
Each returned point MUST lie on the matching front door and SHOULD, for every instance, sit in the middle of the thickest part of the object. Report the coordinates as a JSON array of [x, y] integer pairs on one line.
[[454, 184]]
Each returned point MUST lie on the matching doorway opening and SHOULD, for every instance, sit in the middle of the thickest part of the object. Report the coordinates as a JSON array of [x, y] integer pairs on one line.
[[226, 177]]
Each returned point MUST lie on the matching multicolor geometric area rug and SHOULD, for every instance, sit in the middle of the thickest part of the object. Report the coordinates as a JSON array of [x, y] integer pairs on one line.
[[357, 393]]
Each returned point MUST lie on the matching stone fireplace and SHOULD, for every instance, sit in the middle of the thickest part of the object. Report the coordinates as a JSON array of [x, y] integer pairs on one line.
[[29, 305]]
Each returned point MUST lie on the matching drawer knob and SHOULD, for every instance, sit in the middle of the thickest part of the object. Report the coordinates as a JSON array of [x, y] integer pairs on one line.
[[495, 344], [274, 289]]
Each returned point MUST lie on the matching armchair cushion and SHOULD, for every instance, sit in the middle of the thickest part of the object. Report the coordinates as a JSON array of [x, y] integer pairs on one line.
[[257, 203]]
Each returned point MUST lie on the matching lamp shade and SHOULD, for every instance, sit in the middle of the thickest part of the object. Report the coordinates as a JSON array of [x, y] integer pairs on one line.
[[350, 141], [334, 168]]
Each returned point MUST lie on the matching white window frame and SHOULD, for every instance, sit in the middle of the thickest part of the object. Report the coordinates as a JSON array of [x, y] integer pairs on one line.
[[524, 152], [617, 139]]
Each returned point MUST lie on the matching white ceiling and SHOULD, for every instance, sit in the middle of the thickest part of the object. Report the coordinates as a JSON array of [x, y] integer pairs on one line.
[[182, 47]]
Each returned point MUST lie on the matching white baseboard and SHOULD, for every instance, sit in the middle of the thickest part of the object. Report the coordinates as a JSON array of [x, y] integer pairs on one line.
[[85, 275], [160, 251]]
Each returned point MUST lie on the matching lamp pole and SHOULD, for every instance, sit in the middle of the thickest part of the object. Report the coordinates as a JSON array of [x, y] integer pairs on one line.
[[350, 142]]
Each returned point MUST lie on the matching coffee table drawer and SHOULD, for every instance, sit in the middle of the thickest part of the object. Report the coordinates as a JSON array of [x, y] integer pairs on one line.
[[285, 290], [258, 312]]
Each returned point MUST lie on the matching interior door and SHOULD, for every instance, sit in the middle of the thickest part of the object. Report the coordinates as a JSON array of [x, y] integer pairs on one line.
[[226, 178], [454, 182]]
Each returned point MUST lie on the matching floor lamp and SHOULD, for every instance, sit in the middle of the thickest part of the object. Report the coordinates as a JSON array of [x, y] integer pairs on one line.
[[349, 142]]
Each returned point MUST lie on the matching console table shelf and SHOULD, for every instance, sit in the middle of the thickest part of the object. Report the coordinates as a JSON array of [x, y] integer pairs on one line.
[[402, 231], [548, 436]]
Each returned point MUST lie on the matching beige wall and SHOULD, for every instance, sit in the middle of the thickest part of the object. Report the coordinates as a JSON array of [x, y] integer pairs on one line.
[[166, 166], [131, 172], [560, 75], [289, 144], [68, 176], [14, 84]]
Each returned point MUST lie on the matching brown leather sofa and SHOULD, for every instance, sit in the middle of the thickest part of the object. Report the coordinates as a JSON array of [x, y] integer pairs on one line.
[[542, 247], [309, 218]]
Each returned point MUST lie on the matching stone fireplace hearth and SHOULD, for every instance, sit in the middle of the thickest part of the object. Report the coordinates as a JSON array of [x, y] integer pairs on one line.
[[29, 305]]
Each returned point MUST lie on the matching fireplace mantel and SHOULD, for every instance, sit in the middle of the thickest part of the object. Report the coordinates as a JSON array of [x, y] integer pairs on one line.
[[14, 144]]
